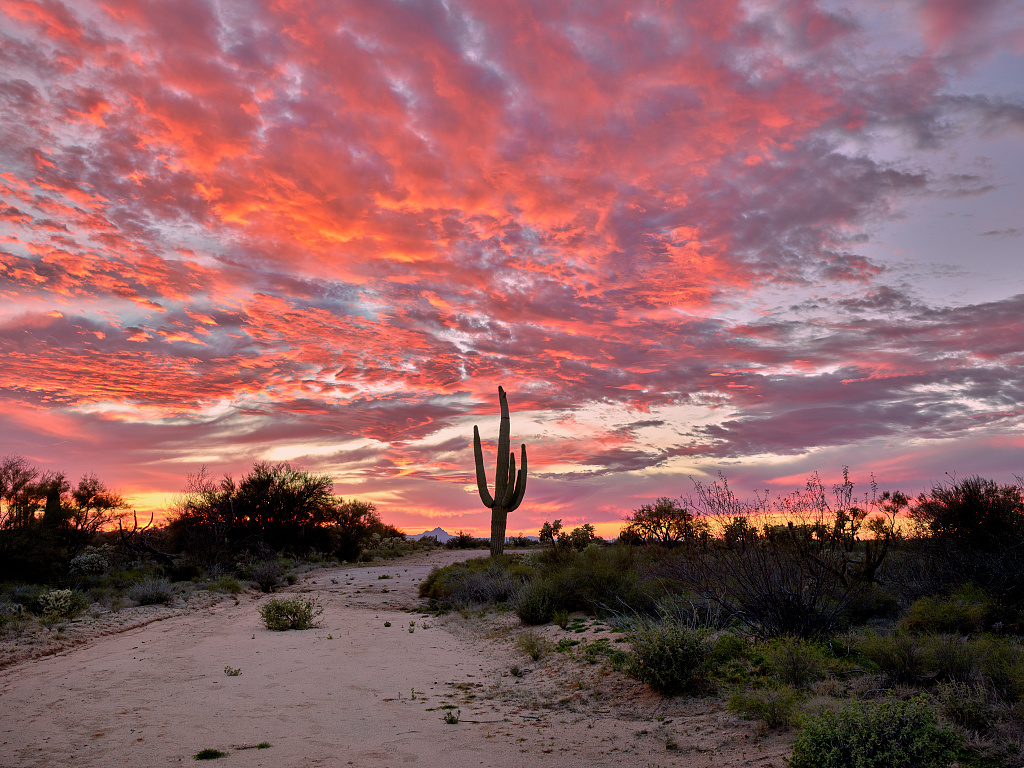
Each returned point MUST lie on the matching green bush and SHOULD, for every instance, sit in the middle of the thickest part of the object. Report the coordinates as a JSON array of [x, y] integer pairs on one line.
[[727, 647], [668, 657], [1003, 666], [899, 657], [536, 602], [963, 613], [957, 658], [151, 591], [968, 706], [776, 707], [888, 734], [281, 613], [226, 583], [795, 661]]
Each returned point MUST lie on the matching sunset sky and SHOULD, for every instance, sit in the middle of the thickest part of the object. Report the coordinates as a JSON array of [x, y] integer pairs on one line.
[[763, 238]]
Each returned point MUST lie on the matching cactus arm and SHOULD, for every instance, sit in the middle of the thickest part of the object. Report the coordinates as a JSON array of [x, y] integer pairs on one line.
[[481, 476], [520, 486], [510, 489]]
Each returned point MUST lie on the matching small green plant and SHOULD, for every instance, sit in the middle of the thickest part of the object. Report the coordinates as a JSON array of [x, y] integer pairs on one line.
[[887, 734], [209, 754], [533, 645], [561, 618], [263, 745], [383, 576], [728, 647], [565, 644], [280, 614], [515, 671], [669, 657], [412, 627], [387, 623], [232, 671], [452, 716]]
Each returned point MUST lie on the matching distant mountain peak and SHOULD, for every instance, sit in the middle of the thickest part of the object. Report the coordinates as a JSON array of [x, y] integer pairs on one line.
[[440, 533]]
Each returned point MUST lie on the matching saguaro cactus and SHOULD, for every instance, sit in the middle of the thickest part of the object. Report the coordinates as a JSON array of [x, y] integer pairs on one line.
[[509, 486]]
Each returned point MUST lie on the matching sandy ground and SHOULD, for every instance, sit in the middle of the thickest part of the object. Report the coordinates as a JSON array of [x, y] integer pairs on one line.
[[353, 692]]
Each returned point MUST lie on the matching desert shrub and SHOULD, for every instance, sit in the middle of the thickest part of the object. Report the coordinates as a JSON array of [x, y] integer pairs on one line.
[[901, 658], [12, 616], [957, 658], [479, 581], [533, 645], [151, 590], [776, 707], [27, 596], [963, 612], [266, 574], [1003, 666], [972, 530], [796, 661], [806, 578], [970, 707], [463, 540], [727, 647], [668, 657], [226, 583], [281, 613], [185, 572], [536, 601], [887, 734], [90, 562], [61, 603]]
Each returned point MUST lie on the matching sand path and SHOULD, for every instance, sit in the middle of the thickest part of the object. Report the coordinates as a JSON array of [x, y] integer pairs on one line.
[[353, 692]]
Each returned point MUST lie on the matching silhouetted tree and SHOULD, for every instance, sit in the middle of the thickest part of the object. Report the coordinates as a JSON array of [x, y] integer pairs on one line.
[[665, 522]]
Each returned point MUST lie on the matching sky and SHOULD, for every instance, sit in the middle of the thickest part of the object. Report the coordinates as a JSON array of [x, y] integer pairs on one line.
[[759, 238]]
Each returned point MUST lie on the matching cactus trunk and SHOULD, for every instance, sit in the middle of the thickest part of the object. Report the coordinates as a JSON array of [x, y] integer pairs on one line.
[[509, 485]]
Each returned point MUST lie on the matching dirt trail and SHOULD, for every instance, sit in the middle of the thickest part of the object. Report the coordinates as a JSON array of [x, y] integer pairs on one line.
[[353, 692]]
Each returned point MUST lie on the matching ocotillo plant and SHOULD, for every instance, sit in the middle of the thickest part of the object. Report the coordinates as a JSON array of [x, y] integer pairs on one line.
[[509, 486]]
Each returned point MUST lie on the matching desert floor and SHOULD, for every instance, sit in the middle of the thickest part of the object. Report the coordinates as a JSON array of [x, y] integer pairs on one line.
[[149, 688]]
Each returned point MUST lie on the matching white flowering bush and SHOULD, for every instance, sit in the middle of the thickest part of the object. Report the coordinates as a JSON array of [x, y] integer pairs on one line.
[[91, 562]]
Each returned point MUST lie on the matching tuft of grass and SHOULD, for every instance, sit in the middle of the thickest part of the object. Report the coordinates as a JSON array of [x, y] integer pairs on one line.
[[533, 645], [776, 707], [152, 590], [452, 716], [232, 671], [280, 614], [209, 754], [263, 745]]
